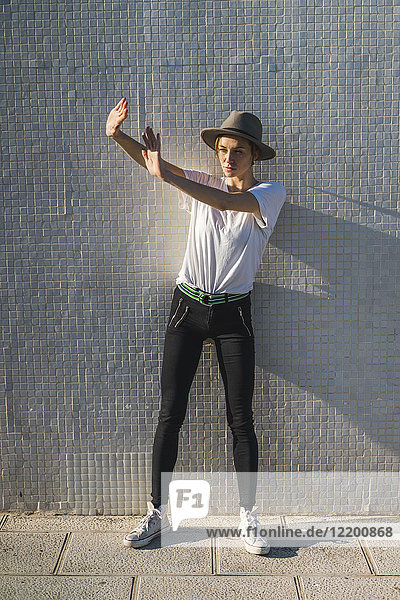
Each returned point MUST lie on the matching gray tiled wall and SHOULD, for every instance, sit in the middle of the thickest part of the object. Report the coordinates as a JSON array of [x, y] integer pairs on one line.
[[91, 244]]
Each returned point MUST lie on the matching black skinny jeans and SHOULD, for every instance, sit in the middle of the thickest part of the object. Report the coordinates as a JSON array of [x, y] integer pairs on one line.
[[230, 326]]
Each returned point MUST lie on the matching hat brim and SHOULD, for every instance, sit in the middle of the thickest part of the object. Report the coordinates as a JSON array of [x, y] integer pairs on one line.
[[210, 134]]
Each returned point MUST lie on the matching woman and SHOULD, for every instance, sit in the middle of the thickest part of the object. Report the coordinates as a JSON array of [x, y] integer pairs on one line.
[[231, 220]]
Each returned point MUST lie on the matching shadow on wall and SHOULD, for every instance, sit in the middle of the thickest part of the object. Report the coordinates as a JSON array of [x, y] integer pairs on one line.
[[338, 341]]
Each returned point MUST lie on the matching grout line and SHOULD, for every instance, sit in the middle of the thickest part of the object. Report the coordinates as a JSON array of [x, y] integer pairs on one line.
[[135, 588], [63, 552], [3, 521], [215, 556], [214, 551], [299, 585], [368, 557], [247, 574], [212, 556]]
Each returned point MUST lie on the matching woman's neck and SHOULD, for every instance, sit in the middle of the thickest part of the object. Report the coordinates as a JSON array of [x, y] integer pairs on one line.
[[240, 185]]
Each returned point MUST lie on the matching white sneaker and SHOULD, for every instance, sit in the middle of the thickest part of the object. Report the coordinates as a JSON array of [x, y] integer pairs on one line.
[[152, 525], [250, 527]]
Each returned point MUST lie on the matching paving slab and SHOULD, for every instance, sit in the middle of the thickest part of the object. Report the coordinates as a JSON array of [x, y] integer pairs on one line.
[[196, 529], [40, 522], [385, 556], [33, 553], [216, 588], [345, 527], [28, 587], [349, 588], [320, 558], [104, 553]]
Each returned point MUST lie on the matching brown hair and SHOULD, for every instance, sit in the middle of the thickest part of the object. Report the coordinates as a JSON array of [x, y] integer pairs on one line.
[[255, 153]]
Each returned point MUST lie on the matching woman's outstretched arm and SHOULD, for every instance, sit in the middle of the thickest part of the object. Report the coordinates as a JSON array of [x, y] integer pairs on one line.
[[240, 201], [128, 144]]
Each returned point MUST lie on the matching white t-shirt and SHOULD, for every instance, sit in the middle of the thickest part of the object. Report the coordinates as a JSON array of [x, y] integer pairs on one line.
[[225, 248]]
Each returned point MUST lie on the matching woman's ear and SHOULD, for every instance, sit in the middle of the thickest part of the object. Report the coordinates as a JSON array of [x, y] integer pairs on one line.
[[255, 153], [255, 156]]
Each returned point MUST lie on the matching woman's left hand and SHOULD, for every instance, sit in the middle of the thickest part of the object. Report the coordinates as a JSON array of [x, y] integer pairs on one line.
[[152, 154]]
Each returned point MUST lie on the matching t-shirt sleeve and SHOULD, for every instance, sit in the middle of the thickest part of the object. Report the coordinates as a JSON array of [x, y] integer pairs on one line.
[[271, 197], [186, 201]]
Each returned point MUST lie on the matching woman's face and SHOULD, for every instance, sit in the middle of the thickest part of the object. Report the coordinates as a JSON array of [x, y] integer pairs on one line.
[[235, 156]]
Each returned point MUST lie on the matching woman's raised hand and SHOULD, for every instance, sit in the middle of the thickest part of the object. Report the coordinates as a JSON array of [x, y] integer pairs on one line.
[[116, 116], [152, 154]]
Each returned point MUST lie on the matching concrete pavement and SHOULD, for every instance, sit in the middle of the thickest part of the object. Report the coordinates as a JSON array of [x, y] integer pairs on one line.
[[68, 557]]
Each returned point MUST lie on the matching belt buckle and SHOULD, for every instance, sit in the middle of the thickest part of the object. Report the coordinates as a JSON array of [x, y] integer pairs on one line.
[[204, 298]]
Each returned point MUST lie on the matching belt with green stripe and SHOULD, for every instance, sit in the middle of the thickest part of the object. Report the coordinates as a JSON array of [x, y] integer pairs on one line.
[[209, 299]]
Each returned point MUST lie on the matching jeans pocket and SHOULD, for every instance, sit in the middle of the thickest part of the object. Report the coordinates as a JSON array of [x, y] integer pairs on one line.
[[247, 325], [179, 314]]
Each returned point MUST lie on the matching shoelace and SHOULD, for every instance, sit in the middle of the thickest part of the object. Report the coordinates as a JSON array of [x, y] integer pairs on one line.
[[145, 522], [252, 521]]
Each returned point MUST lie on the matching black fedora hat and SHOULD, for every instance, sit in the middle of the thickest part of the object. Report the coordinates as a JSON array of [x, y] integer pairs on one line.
[[241, 124]]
